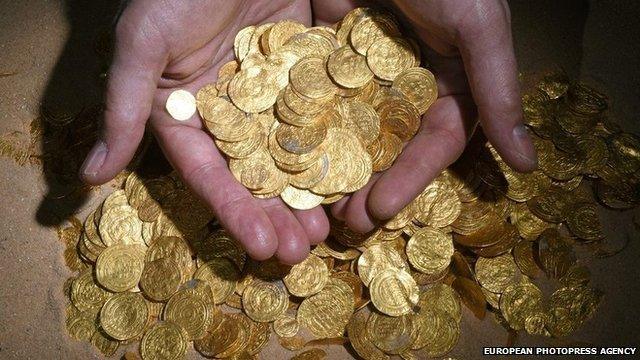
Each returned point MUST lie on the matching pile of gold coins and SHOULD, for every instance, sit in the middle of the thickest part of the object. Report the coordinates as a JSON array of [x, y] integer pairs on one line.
[[154, 270], [308, 114]]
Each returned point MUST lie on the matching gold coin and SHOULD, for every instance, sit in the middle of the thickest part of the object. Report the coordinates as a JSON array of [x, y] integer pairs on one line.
[[181, 105], [311, 354], [165, 340], [439, 205], [444, 335], [356, 330], [258, 337], [362, 119], [160, 279], [441, 297], [120, 225], [119, 267], [81, 325], [583, 222], [394, 292], [419, 86], [308, 277], [124, 316], [221, 275], [495, 274], [301, 139], [430, 250], [264, 302], [242, 41], [309, 78], [221, 339], [171, 247], [348, 68], [387, 57], [300, 199], [85, 294], [365, 32], [376, 259], [393, 335], [518, 302], [252, 90], [190, 311], [286, 326], [399, 117], [104, 344], [336, 298]]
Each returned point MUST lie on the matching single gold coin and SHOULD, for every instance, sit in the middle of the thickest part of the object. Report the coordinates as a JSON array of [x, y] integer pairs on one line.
[[391, 334], [336, 298], [348, 68], [221, 275], [300, 199], [119, 267], [394, 292], [191, 311], [85, 294], [388, 57], [419, 86], [518, 302], [160, 279], [181, 105], [309, 78], [583, 221], [264, 302], [124, 316], [311, 354], [106, 345], [286, 326], [308, 277], [252, 90], [165, 340], [495, 274], [369, 29], [430, 250]]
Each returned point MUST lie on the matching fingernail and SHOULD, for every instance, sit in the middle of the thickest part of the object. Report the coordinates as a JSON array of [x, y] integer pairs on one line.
[[93, 162], [522, 142]]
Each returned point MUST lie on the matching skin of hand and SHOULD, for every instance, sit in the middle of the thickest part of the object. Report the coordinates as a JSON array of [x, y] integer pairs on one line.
[[469, 46], [162, 46], [166, 45]]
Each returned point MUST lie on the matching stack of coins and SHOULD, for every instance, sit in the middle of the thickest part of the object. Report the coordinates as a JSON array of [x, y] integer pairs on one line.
[[153, 267], [308, 114]]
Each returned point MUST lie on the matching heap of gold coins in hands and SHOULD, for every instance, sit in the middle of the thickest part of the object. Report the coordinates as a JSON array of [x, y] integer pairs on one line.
[[155, 270], [308, 114]]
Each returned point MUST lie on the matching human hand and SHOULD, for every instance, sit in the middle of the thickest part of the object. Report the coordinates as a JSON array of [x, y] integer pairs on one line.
[[469, 46], [162, 46]]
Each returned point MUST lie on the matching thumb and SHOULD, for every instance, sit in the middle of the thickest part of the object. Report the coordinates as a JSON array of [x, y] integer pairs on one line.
[[137, 65]]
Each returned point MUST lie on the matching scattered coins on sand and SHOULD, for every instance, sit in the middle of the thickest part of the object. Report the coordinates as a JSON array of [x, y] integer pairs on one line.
[[153, 268]]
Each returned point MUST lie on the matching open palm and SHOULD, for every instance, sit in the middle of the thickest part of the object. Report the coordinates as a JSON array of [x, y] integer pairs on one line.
[[163, 46]]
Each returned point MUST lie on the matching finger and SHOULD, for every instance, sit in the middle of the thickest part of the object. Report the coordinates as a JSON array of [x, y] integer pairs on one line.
[[358, 217], [486, 47], [339, 208], [193, 154], [137, 65], [293, 244], [445, 129], [315, 224]]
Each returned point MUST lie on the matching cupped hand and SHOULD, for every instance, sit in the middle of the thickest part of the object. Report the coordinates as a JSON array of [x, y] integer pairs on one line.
[[162, 46], [469, 46]]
